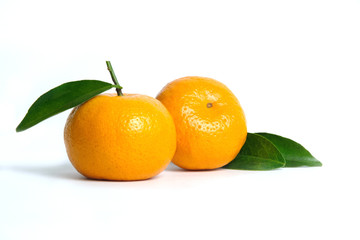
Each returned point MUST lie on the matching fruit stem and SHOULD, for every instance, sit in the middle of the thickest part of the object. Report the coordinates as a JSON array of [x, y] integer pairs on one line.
[[114, 79]]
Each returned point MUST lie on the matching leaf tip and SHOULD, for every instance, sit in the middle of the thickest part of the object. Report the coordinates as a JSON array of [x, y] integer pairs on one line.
[[117, 86], [20, 128], [318, 164]]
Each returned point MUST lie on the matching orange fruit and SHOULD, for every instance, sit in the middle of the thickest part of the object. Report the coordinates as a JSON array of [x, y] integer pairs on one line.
[[130, 137], [210, 123]]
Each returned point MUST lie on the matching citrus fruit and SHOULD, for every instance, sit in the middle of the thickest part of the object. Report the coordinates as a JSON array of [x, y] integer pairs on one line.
[[210, 123], [129, 137]]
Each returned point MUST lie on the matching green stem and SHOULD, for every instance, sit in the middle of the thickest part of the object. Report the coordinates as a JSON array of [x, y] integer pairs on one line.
[[114, 79]]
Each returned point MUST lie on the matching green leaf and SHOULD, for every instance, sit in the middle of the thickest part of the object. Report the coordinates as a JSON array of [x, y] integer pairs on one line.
[[61, 98], [258, 153], [294, 154]]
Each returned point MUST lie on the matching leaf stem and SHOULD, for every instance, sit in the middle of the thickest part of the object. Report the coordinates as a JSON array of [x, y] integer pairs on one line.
[[114, 79]]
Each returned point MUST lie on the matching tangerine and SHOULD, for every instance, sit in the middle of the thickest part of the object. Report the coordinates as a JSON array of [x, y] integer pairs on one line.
[[129, 137], [210, 123]]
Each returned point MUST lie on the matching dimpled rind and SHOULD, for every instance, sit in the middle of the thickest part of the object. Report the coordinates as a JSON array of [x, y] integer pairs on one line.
[[130, 137], [210, 123]]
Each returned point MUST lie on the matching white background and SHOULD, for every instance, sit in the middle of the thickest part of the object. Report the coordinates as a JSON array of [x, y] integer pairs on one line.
[[294, 65]]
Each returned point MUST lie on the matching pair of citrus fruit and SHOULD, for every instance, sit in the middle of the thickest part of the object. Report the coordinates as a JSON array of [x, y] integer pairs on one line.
[[196, 122]]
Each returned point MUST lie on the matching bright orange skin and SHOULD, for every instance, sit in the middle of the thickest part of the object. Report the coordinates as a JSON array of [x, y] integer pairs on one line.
[[130, 137], [210, 123]]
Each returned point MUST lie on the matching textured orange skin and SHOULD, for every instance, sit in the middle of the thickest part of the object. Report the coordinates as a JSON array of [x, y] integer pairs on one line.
[[208, 137], [130, 137]]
